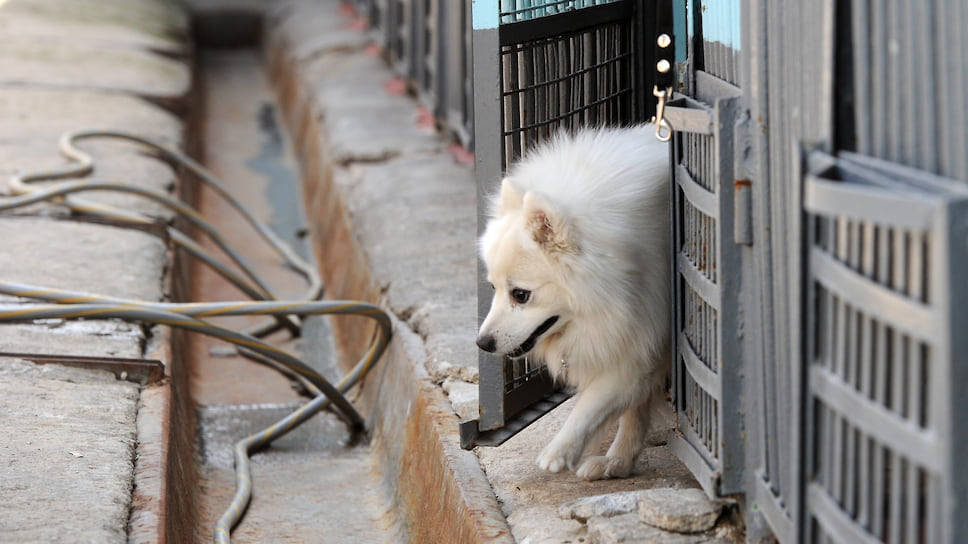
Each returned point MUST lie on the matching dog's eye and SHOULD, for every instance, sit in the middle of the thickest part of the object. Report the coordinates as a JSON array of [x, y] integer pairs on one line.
[[520, 296]]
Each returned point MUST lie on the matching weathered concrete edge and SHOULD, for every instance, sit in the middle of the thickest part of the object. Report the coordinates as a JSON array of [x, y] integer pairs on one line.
[[443, 490], [165, 495]]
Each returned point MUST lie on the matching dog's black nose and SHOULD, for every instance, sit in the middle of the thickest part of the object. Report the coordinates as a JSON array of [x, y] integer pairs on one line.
[[487, 343]]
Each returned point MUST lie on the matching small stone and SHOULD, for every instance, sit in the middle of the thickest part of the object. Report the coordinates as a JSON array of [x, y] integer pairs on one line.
[[463, 398], [611, 504], [629, 529], [679, 510]]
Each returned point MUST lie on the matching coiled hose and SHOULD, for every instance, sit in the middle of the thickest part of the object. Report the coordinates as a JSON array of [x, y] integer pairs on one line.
[[77, 305]]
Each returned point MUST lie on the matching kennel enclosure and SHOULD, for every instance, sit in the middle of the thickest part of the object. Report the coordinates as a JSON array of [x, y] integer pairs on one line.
[[820, 181]]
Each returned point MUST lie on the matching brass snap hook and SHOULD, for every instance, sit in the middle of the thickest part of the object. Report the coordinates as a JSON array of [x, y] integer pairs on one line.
[[663, 130]]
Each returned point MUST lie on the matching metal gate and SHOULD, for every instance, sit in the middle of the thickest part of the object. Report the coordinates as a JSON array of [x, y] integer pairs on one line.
[[820, 316], [887, 248], [821, 311], [705, 391], [540, 66]]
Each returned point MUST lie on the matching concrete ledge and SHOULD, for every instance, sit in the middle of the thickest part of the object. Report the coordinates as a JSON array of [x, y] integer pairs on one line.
[[393, 216], [84, 452], [108, 64]]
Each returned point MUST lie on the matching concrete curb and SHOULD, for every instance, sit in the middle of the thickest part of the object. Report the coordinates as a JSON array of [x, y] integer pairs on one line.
[[368, 243], [110, 64]]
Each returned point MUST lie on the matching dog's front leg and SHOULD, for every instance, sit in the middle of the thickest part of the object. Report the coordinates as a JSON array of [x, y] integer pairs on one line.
[[633, 427], [595, 405]]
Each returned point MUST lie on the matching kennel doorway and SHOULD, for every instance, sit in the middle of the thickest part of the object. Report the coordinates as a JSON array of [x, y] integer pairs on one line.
[[542, 66]]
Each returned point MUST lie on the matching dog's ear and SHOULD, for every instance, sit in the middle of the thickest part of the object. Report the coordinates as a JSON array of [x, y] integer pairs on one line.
[[547, 226], [510, 198]]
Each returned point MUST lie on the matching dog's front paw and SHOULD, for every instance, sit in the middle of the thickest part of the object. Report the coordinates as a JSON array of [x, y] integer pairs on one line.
[[555, 457], [601, 467]]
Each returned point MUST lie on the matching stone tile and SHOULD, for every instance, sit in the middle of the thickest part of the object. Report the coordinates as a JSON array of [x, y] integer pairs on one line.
[[679, 510], [314, 27], [629, 529], [99, 259], [40, 116], [463, 398], [608, 505], [415, 215], [35, 120], [71, 65], [365, 111], [149, 24], [71, 438]]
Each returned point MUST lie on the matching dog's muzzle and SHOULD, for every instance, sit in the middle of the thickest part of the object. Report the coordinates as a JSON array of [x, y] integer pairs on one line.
[[489, 344], [533, 339]]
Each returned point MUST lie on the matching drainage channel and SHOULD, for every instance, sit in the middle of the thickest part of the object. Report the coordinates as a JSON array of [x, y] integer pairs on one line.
[[311, 485]]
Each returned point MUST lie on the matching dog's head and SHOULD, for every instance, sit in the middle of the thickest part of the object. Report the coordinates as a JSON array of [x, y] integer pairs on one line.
[[525, 247]]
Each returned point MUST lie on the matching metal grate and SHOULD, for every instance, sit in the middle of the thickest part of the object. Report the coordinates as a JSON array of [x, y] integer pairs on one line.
[[582, 76], [523, 10], [879, 355]]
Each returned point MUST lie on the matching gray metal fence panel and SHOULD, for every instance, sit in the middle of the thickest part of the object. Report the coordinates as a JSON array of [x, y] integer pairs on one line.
[[909, 75], [706, 371], [787, 75], [838, 416], [880, 358], [455, 87]]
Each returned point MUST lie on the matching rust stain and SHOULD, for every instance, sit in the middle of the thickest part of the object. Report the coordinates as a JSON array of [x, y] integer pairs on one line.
[[460, 154], [425, 119], [395, 86], [357, 23], [439, 501], [348, 9], [742, 183]]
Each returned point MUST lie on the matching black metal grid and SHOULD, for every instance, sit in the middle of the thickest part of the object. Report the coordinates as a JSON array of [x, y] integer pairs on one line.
[[518, 10], [578, 78]]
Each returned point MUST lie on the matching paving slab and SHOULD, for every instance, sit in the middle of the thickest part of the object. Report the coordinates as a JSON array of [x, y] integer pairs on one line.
[[27, 61], [312, 29], [534, 500], [35, 119], [419, 233], [679, 510], [70, 441], [149, 24], [71, 65], [367, 115], [70, 44], [86, 257], [629, 529], [72, 255]]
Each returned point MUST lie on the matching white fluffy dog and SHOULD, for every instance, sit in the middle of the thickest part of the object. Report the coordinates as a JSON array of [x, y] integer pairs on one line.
[[577, 249]]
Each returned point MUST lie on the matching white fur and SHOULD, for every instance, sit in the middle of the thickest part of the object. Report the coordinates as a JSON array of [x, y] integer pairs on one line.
[[582, 222]]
